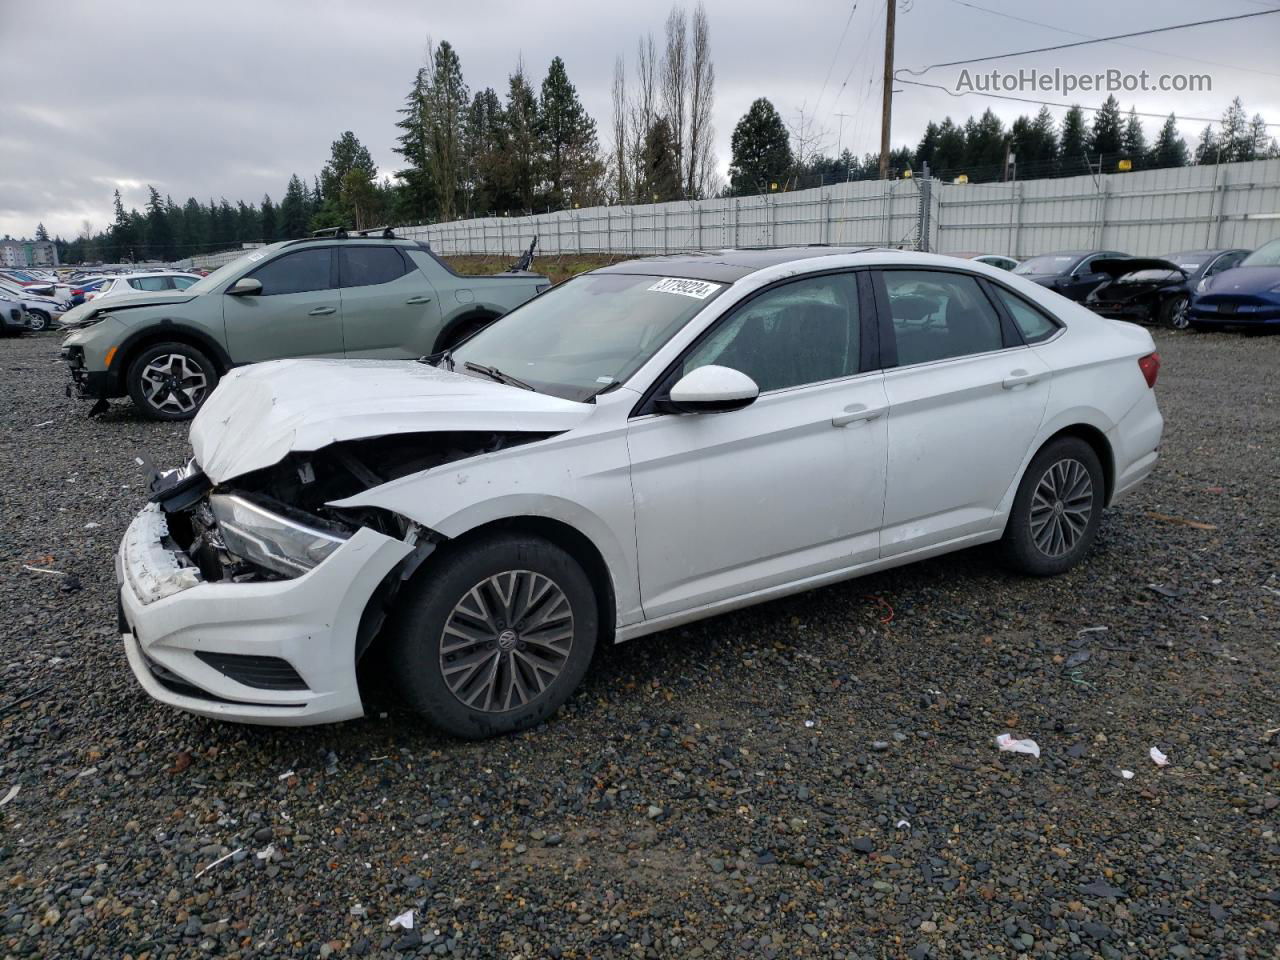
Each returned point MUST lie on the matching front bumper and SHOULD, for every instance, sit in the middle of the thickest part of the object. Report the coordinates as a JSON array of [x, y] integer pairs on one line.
[[1243, 311], [1133, 312], [180, 632], [89, 384]]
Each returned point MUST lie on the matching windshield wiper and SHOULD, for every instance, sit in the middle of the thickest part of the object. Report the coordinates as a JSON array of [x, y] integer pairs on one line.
[[494, 373], [439, 358]]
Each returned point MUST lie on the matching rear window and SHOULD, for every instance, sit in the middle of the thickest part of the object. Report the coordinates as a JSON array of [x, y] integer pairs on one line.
[[369, 266], [1034, 325], [1049, 265]]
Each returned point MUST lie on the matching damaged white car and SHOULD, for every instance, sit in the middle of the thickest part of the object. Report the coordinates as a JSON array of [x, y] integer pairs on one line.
[[648, 444]]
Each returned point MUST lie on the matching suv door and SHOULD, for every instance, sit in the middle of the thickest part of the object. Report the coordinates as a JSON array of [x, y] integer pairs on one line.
[[966, 399], [788, 488], [297, 314], [389, 309]]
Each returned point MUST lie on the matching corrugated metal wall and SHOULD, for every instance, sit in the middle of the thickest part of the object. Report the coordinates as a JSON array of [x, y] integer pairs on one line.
[[1149, 212]]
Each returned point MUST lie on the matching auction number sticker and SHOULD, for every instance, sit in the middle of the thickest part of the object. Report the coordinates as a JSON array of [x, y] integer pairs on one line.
[[698, 289]]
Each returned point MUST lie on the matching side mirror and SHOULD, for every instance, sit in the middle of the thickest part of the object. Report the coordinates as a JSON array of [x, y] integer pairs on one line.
[[711, 389], [245, 287]]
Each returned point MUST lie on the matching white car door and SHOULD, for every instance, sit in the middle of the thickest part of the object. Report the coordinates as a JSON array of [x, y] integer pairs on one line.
[[787, 488], [966, 400]]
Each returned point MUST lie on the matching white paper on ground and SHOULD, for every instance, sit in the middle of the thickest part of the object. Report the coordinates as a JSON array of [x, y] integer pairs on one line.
[[13, 792], [1006, 742], [1159, 758], [404, 921], [1127, 774]]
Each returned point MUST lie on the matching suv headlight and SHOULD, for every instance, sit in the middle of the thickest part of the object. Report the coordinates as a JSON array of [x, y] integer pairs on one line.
[[269, 539], [1203, 285]]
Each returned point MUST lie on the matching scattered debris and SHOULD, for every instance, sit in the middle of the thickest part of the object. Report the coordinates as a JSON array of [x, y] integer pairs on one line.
[[56, 573], [886, 608], [903, 824], [1159, 758], [1100, 888], [266, 852], [1181, 521], [808, 723], [181, 762], [70, 584], [92, 526], [23, 699], [404, 921], [13, 792], [47, 423], [1164, 591], [1005, 741], [286, 775], [1083, 631], [223, 859], [1127, 774], [1077, 659]]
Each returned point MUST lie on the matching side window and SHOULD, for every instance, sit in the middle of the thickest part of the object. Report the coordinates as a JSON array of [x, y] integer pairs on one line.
[[1033, 324], [300, 272], [803, 332], [1224, 262], [1086, 267], [939, 315], [150, 283], [181, 283], [367, 266]]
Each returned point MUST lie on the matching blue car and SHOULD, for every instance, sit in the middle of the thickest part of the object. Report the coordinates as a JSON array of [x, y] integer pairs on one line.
[[1245, 296]]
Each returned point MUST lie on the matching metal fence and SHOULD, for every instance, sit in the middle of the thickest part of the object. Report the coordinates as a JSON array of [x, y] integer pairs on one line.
[[1145, 213]]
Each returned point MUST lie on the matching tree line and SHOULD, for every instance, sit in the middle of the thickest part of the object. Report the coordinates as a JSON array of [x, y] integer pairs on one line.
[[534, 148]]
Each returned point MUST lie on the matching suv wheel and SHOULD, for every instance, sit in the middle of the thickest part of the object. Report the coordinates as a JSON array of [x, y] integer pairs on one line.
[[1174, 312], [1057, 509], [496, 638], [169, 381], [39, 320]]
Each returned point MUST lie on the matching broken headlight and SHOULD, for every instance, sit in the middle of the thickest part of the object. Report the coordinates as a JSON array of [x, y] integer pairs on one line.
[[269, 539]]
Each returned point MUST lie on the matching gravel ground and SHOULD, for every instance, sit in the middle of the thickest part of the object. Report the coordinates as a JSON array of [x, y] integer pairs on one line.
[[801, 779]]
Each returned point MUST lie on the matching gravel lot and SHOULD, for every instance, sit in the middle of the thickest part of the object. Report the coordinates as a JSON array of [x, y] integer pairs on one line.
[[801, 779]]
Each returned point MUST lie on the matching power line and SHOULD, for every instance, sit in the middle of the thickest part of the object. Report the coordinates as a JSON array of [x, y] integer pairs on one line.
[[1131, 46], [1051, 103], [1085, 43], [835, 53]]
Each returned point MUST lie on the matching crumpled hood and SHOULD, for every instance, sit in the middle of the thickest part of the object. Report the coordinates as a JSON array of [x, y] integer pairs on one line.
[[261, 413], [1117, 267], [85, 313]]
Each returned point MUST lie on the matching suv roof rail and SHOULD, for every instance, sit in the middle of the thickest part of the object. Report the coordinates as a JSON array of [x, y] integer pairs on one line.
[[340, 233]]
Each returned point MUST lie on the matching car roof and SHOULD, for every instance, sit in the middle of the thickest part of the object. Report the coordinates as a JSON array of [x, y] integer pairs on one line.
[[724, 266]]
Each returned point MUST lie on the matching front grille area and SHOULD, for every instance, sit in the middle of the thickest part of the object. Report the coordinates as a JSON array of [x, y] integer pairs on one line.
[[175, 684], [262, 673]]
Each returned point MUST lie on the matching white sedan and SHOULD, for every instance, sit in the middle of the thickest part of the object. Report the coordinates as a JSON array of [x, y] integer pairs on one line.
[[155, 281], [646, 445]]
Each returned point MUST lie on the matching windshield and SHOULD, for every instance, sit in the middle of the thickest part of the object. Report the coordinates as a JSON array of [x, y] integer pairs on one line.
[[227, 270], [588, 333], [1048, 265], [1267, 255]]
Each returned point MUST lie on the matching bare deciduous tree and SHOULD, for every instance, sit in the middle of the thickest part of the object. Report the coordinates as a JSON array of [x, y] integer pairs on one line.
[[622, 172], [643, 109], [702, 76], [675, 80]]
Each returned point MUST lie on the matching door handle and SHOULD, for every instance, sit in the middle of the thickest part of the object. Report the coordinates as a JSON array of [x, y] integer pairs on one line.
[[1019, 378], [856, 413], [322, 311], [418, 300]]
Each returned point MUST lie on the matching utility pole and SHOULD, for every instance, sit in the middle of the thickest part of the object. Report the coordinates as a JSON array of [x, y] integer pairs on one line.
[[887, 109]]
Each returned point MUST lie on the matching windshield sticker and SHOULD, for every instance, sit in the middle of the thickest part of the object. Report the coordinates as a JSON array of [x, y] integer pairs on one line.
[[254, 257], [1189, 266], [698, 289]]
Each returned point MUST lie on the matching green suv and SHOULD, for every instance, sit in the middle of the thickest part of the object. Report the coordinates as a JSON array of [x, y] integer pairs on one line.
[[337, 296]]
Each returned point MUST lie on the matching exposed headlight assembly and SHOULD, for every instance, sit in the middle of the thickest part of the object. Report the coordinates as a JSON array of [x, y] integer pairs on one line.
[[1203, 285], [268, 539]]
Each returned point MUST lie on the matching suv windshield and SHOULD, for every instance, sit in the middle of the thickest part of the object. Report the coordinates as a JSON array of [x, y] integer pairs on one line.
[[1046, 266], [205, 284], [588, 333], [1267, 255]]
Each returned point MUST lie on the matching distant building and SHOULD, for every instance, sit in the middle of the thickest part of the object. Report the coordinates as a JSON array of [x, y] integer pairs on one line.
[[28, 253]]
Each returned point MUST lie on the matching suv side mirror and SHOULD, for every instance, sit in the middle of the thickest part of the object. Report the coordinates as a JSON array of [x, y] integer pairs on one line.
[[245, 287], [711, 389]]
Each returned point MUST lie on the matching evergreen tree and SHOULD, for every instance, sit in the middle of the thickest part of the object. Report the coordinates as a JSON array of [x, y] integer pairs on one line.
[[1260, 138], [42, 235], [1107, 135], [346, 154], [761, 150], [571, 167], [160, 243], [293, 211], [485, 144], [268, 214], [1235, 139], [1169, 150], [122, 236], [1207, 149], [520, 176], [927, 147], [661, 164], [1133, 142], [985, 146], [1075, 141], [248, 223], [447, 103], [413, 143], [195, 228], [1045, 138]]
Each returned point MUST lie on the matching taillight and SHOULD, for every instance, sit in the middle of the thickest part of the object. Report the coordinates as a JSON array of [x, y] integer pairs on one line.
[[1150, 367], [77, 293]]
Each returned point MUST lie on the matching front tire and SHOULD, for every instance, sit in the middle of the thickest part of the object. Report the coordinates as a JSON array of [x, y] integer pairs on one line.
[[1173, 312], [1057, 509], [494, 636], [39, 321], [169, 381]]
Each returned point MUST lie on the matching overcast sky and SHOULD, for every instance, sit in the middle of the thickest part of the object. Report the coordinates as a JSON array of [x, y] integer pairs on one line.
[[229, 99]]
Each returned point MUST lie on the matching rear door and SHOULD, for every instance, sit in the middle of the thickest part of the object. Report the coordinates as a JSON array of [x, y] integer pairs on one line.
[[298, 313], [966, 399], [389, 308]]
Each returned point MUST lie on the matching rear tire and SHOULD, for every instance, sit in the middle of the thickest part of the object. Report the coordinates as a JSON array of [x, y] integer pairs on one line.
[[170, 381], [1173, 312], [494, 636], [1057, 509]]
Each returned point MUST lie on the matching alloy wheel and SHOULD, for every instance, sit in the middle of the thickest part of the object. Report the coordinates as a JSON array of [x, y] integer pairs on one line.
[[506, 641], [1061, 508], [174, 382], [1178, 318]]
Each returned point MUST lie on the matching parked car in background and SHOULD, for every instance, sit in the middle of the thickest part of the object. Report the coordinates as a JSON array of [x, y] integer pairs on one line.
[[84, 286], [1248, 295], [13, 319], [646, 445], [1156, 289], [343, 296], [990, 259], [42, 311], [1071, 272], [155, 281]]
